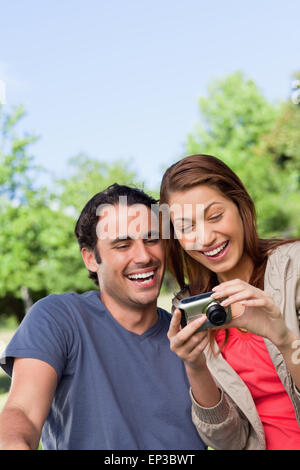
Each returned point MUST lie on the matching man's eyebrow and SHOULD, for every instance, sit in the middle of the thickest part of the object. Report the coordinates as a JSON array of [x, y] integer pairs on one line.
[[153, 234], [188, 219], [150, 234], [114, 241]]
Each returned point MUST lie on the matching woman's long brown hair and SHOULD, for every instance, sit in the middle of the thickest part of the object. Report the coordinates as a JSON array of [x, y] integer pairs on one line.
[[197, 170]]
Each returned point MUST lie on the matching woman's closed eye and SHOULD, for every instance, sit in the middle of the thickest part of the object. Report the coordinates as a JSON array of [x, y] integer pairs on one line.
[[184, 228], [215, 217]]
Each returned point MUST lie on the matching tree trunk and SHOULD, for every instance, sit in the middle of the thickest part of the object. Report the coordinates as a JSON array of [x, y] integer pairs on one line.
[[27, 300]]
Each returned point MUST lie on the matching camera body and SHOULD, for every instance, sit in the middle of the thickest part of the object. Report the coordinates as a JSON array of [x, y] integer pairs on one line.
[[198, 305]]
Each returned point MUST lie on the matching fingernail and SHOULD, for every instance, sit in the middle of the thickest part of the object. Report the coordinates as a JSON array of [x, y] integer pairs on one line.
[[215, 295]]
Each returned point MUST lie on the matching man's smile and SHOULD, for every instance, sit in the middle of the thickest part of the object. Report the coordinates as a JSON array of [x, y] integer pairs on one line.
[[143, 277]]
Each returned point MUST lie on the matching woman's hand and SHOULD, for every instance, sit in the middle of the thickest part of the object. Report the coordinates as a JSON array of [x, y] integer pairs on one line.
[[189, 344], [261, 316], [186, 343]]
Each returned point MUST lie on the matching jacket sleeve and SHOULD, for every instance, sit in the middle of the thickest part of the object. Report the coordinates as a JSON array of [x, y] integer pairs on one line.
[[295, 280], [282, 282], [224, 426]]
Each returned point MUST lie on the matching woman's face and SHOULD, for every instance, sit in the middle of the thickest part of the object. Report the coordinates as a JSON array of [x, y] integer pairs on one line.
[[209, 228]]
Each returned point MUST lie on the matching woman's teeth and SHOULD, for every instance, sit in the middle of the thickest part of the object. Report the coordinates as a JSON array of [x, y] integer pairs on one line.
[[216, 251]]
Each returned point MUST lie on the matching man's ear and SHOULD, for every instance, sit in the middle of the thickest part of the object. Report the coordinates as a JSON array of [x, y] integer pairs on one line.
[[89, 259]]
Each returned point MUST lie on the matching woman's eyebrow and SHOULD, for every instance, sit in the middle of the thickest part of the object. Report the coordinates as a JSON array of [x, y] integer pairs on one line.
[[188, 219]]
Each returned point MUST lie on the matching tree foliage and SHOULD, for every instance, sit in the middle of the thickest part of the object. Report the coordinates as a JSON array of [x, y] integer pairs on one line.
[[237, 124], [87, 177], [38, 250], [16, 164]]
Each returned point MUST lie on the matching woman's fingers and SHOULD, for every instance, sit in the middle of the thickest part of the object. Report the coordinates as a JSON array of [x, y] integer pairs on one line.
[[225, 289], [178, 346], [237, 291], [188, 343], [185, 333], [182, 335], [175, 324], [197, 350], [254, 302], [245, 294]]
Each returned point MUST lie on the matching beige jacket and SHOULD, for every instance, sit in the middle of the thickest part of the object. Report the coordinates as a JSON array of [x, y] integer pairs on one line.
[[234, 422]]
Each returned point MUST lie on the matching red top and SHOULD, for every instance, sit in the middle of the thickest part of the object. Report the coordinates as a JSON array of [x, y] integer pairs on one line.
[[248, 356]]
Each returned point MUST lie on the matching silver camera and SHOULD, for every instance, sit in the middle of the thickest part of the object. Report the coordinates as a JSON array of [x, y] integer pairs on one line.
[[198, 305]]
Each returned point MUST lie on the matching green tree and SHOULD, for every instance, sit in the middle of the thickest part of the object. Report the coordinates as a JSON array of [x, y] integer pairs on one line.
[[38, 250], [86, 177], [283, 139], [18, 201], [235, 117], [282, 143], [16, 164]]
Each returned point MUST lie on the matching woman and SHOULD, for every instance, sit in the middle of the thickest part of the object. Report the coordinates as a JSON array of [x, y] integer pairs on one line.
[[245, 377]]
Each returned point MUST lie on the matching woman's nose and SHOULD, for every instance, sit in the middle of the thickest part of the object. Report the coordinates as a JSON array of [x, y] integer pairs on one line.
[[208, 237]]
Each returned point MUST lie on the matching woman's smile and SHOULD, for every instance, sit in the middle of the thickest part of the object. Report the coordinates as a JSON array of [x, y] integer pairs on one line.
[[218, 252]]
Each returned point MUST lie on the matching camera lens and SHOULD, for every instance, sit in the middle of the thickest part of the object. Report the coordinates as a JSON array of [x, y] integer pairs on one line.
[[216, 314]]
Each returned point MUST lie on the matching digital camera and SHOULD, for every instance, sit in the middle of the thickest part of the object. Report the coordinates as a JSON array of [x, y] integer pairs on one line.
[[198, 305]]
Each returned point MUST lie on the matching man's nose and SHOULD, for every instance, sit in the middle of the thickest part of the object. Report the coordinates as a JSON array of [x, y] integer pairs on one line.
[[140, 252]]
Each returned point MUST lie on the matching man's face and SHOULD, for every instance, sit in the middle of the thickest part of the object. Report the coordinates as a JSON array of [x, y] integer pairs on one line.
[[132, 257]]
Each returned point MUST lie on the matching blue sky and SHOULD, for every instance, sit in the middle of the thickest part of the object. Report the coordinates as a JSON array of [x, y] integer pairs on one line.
[[120, 79]]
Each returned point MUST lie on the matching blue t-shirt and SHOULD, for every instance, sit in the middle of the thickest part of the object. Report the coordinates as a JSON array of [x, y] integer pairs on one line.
[[116, 389]]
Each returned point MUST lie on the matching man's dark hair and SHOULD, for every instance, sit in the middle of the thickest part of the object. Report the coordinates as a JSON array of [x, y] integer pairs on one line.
[[85, 229]]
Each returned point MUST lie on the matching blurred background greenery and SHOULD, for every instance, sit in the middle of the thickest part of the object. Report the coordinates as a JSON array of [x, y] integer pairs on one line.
[[38, 251]]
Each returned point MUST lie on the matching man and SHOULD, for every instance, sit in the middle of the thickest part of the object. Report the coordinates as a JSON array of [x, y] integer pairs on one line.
[[95, 371]]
